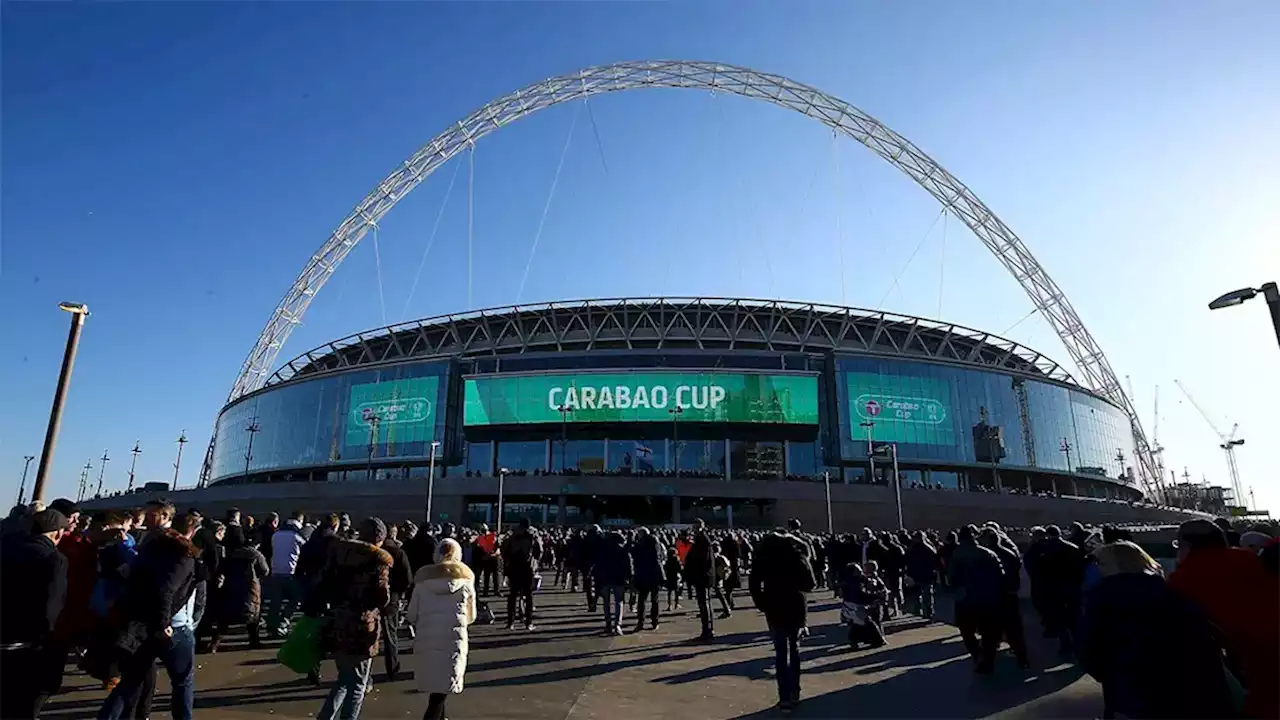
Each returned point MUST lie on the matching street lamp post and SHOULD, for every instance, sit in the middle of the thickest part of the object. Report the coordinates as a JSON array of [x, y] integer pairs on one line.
[[431, 477], [676, 412], [373, 444], [1066, 450], [177, 464], [826, 483], [871, 453], [564, 435], [897, 486], [22, 489], [502, 481], [78, 313], [1270, 292], [101, 471], [84, 481], [133, 464]]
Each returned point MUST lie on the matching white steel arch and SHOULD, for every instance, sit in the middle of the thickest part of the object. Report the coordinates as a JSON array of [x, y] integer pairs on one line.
[[1094, 370]]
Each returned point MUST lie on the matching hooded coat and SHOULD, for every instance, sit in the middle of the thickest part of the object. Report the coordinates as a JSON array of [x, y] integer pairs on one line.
[[443, 604], [356, 585]]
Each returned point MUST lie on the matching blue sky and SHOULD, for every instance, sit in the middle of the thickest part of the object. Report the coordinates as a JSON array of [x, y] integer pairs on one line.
[[173, 165]]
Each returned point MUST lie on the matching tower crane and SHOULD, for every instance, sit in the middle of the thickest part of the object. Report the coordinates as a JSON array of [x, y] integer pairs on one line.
[[1229, 444]]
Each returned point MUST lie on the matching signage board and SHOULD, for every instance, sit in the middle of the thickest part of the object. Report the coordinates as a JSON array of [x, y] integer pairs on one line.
[[404, 411], [900, 408]]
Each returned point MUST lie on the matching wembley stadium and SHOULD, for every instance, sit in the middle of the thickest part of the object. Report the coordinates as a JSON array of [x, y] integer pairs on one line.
[[654, 411]]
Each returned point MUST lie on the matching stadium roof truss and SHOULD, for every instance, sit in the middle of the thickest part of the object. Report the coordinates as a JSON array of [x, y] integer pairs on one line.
[[1094, 370], [705, 324]]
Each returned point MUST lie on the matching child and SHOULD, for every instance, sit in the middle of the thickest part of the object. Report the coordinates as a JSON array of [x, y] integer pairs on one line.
[[721, 565], [863, 598], [671, 570]]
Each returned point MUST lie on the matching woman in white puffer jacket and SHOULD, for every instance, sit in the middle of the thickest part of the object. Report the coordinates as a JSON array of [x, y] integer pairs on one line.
[[442, 606]]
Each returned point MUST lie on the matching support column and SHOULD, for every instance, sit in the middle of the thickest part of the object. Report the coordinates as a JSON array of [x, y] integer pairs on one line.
[[729, 514], [675, 508], [995, 477], [563, 515]]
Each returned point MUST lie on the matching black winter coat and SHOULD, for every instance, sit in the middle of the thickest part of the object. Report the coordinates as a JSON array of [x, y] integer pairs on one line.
[[161, 581], [647, 558], [699, 564], [613, 563], [33, 587], [240, 597], [781, 573], [401, 579], [922, 563]]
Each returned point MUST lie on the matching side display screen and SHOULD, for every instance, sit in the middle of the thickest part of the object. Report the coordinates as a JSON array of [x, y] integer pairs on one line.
[[403, 411], [641, 397], [901, 408]]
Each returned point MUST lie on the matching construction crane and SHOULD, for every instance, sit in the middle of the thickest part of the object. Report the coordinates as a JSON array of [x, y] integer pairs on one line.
[[1229, 445], [1157, 450]]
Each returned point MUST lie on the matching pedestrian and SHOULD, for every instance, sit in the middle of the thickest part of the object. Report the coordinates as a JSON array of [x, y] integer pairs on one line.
[[1240, 598], [671, 570], [33, 588], [400, 583], [284, 593], [1154, 652], [978, 579], [722, 574], [239, 599], [781, 574], [354, 585], [1009, 613], [700, 574], [613, 573], [160, 610], [520, 552], [442, 605], [861, 602], [484, 559], [920, 575], [647, 564], [1058, 578]]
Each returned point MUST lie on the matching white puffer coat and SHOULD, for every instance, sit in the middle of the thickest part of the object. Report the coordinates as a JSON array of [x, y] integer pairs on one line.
[[442, 606]]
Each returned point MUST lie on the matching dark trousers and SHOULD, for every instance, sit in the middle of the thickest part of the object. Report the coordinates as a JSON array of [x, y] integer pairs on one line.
[[489, 583], [435, 706], [519, 587], [589, 587], [980, 621], [703, 594], [251, 624], [650, 592], [786, 648], [391, 637], [726, 601], [178, 655], [1011, 627], [27, 678]]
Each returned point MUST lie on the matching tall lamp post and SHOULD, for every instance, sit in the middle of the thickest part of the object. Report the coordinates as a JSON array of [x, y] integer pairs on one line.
[[253, 429], [826, 482], [177, 464], [897, 486], [79, 312], [564, 435], [871, 454], [84, 480], [1269, 292], [373, 444], [102, 469], [133, 464], [431, 477], [22, 489], [502, 481]]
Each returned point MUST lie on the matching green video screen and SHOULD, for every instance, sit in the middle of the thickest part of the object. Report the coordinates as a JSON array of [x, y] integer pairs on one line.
[[405, 411], [641, 397], [902, 408]]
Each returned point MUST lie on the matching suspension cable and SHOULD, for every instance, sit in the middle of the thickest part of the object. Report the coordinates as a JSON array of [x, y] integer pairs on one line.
[[404, 313], [596, 132], [555, 180], [898, 277], [835, 157], [377, 264], [471, 215], [1024, 317], [942, 261]]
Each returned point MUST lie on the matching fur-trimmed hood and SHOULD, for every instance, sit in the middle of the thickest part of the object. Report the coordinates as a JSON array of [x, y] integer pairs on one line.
[[354, 554], [444, 578]]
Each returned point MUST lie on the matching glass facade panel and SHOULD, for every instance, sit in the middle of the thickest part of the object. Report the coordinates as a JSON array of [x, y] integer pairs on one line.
[[523, 456], [637, 457], [701, 458], [756, 460], [584, 457], [945, 479], [476, 460], [803, 461]]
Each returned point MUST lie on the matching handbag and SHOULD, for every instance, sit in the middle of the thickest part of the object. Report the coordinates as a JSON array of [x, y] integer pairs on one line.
[[302, 650]]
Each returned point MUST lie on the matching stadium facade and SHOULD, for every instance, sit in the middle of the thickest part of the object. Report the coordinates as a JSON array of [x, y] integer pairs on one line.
[[625, 411]]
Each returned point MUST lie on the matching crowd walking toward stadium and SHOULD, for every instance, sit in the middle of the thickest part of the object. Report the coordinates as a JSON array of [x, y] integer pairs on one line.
[[119, 594]]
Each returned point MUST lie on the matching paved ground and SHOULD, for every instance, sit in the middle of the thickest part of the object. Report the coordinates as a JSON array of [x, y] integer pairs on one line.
[[569, 669]]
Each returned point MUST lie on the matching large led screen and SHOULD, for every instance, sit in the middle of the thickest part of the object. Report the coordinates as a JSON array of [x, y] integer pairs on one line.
[[404, 411], [641, 397], [900, 408]]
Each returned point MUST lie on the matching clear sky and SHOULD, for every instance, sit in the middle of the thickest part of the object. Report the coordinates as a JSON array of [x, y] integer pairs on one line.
[[173, 165]]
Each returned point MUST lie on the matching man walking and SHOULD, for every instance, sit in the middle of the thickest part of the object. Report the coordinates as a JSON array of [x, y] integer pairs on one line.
[[781, 574], [33, 587], [520, 553], [647, 556], [284, 594], [700, 573]]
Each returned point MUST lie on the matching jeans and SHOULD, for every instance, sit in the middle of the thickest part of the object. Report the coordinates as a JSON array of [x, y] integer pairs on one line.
[[786, 648], [347, 694], [435, 706], [178, 655], [391, 637], [704, 610], [284, 597], [650, 593], [589, 587], [612, 595], [923, 598], [519, 587]]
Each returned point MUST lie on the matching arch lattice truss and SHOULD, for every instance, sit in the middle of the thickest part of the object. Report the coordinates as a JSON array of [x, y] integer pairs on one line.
[[1094, 370]]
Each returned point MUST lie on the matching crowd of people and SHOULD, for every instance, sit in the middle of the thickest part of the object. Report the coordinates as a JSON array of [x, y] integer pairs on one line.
[[121, 593]]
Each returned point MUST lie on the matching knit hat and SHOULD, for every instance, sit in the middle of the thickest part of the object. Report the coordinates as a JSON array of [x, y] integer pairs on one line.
[[63, 506], [47, 521], [373, 530]]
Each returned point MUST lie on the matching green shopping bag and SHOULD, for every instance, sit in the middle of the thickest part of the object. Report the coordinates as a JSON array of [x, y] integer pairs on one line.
[[302, 650]]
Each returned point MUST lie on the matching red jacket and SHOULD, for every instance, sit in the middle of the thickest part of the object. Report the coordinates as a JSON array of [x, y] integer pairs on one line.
[[1243, 600], [82, 574]]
